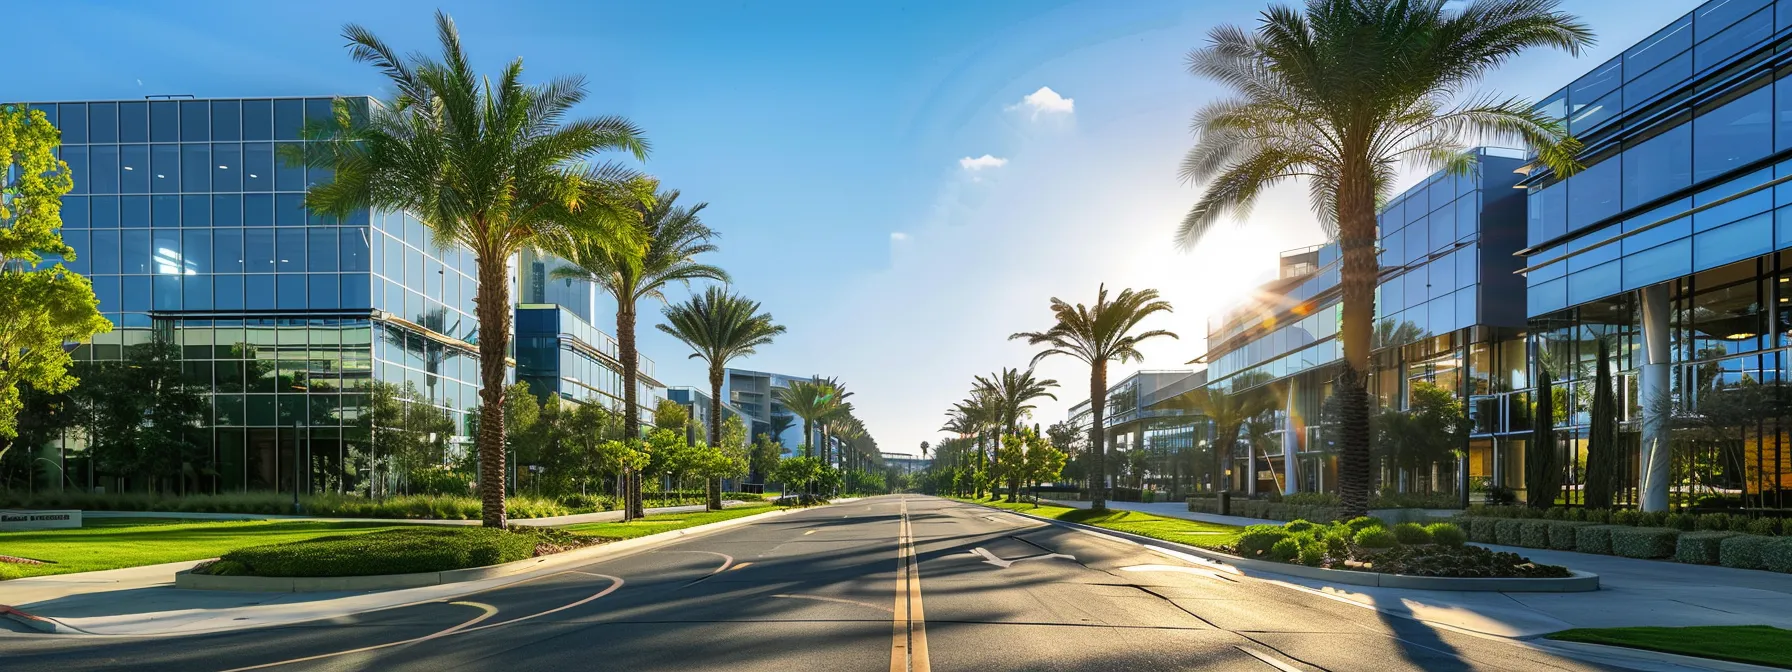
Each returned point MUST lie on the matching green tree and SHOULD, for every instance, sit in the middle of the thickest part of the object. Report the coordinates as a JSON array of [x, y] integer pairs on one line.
[[487, 164], [46, 307], [1097, 336], [1011, 392], [1542, 462], [669, 414], [675, 235], [1340, 96], [1603, 458], [1431, 429], [407, 441], [814, 401], [1228, 407], [719, 327], [1044, 462], [765, 455], [142, 417]]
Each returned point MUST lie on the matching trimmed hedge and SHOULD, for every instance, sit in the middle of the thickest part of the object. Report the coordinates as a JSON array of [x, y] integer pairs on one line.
[[1778, 555], [1644, 542], [402, 551], [1743, 551], [1509, 532], [1535, 533], [1700, 548], [1595, 538], [1562, 533], [1481, 530]]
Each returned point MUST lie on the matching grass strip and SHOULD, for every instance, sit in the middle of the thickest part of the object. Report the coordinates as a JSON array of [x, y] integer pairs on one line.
[[1179, 530], [114, 543], [666, 522], [1755, 644]]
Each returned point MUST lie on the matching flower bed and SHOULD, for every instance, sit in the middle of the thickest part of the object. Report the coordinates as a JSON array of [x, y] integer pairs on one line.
[[1367, 544]]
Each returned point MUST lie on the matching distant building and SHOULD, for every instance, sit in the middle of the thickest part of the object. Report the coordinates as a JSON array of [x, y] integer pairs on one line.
[[754, 394], [905, 463], [699, 405]]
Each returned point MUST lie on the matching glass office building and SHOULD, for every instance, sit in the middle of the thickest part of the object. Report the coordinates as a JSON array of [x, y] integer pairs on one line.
[[1671, 246], [1134, 420], [192, 230], [559, 354]]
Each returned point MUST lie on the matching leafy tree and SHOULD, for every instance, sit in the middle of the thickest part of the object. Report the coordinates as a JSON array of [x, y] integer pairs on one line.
[[676, 235], [764, 458], [1603, 459], [779, 424], [488, 164], [407, 440], [1431, 429], [799, 472], [141, 417], [719, 327], [1339, 96], [1097, 336], [1543, 468], [1010, 393], [46, 307], [669, 414]]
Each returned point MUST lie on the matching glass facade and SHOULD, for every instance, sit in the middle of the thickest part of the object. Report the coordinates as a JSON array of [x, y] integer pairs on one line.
[[193, 229], [559, 354]]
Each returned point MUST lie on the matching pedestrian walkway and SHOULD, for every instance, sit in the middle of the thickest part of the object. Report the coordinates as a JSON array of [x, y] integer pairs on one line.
[[1631, 592]]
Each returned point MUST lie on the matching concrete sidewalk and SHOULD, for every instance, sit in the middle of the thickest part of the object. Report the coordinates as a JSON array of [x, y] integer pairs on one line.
[[572, 519], [1631, 592], [142, 601]]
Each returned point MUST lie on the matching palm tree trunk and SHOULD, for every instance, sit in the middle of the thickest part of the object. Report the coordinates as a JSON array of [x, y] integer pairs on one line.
[[631, 414], [1098, 406], [1356, 233], [715, 430], [492, 302]]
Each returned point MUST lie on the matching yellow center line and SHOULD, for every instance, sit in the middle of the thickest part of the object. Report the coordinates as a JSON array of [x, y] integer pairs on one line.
[[908, 646]]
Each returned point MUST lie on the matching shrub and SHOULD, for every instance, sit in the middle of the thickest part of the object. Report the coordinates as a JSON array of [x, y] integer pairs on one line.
[[1625, 517], [1595, 538], [1777, 556], [1482, 530], [1376, 537], [1599, 516], [1313, 555], [1361, 523], [1700, 548], [1336, 543], [1763, 526], [1644, 542], [1744, 551], [1466, 561], [401, 551], [1509, 532], [1285, 550], [1713, 522], [1415, 500], [1411, 533], [1553, 513], [1446, 534], [1535, 533], [1299, 525], [1311, 499], [1561, 533], [1652, 519], [1259, 539], [1680, 521]]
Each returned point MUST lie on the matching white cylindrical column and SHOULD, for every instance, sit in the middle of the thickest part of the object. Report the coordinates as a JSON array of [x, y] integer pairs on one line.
[[1291, 444], [1656, 398]]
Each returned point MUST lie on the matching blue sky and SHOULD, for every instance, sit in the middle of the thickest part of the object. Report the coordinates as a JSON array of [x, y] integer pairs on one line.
[[841, 147]]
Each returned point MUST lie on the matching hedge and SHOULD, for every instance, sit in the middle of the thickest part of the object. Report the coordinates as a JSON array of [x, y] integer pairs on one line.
[[1480, 530], [1595, 538], [1535, 533], [1744, 551], [1257, 508], [1700, 548], [1509, 533], [1562, 533], [401, 551], [1644, 542], [1778, 555]]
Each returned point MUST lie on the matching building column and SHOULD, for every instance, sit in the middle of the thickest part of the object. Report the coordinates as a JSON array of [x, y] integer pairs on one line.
[[1250, 474], [1656, 397], [1291, 443]]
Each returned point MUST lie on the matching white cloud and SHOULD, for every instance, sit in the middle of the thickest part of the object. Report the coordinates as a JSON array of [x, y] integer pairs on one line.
[[898, 236], [981, 162], [1045, 101]]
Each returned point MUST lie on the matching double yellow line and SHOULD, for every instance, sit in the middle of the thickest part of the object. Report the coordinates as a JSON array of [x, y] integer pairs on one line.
[[908, 646]]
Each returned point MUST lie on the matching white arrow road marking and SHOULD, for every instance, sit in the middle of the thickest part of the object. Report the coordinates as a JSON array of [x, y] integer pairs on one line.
[[990, 558]]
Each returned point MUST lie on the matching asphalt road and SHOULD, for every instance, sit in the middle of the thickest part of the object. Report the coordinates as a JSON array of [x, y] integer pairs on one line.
[[887, 583]]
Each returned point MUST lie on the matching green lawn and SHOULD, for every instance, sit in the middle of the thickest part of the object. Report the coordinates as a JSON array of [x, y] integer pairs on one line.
[[1757, 644], [112, 543], [1191, 532], [666, 522]]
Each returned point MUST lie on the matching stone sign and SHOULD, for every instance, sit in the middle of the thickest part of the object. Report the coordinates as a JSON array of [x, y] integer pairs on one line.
[[16, 519]]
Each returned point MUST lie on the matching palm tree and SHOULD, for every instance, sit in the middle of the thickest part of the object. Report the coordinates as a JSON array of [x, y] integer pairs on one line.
[[675, 236], [814, 401], [1229, 412], [719, 327], [779, 424], [1097, 336], [1340, 96], [924, 447], [489, 164], [1009, 391]]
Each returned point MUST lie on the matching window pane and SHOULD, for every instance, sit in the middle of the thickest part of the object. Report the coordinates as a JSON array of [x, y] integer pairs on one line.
[[289, 210], [258, 167], [1593, 283], [226, 120], [227, 167], [1591, 115], [133, 122], [258, 292], [137, 250], [197, 292], [75, 213], [323, 289], [227, 292], [1655, 265], [102, 173], [289, 119], [133, 212], [292, 291], [258, 209], [355, 292], [288, 176], [76, 158], [227, 210], [1757, 202], [167, 211], [258, 250], [1713, 17], [195, 121], [135, 295], [227, 251], [133, 169], [105, 212], [195, 210], [1733, 40], [164, 121], [290, 246], [258, 120], [321, 255], [1594, 194], [166, 252], [164, 168], [103, 252], [1733, 135], [102, 122], [196, 250], [196, 167], [1658, 166], [1733, 242], [73, 122], [1675, 230], [1650, 84]]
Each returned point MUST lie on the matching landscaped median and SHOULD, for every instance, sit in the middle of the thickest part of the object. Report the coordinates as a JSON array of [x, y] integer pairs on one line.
[[419, 556], [1753, 644], [1704, 539], [1363, 551], [115, 543]]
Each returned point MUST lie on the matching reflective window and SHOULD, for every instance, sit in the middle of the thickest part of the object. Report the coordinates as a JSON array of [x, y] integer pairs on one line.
[[258, 292], [102, 122], [195, 210], [103, 170], [133, 169], [164, 121], [196, 293], [258, 120], [72, 122], [135, 295], [227, 120], [166, 211], [196, 250], [1733, 135], [227, 292], [290, 248], [1466, 220], [258, 250], [227, 167], [137, 251], [1757, 202], [288, 176], [258, 167], [1551, 214], [133, 212], [1595, 85], [289, 210], [196, 167], [1443, 228], [165, 252], [105, 212], [164, 169], [291, 290], [105, 289], [258, 209], [195, 121], [76, 157], [227, 210], [355, 292], [322, 246], [1733, 242], [1675, 230], [323, 290], [1593, 283], [1712, 17], [133, 122], [1733, 40], [1655, 265], [1650, 84], [289, 119], [1658, 166], [227, 250], [1594, 193], [74, 213]]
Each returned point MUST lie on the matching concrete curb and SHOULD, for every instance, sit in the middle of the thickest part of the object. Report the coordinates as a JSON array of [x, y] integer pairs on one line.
[[34, 622], [1580, 582], [300, 584]]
